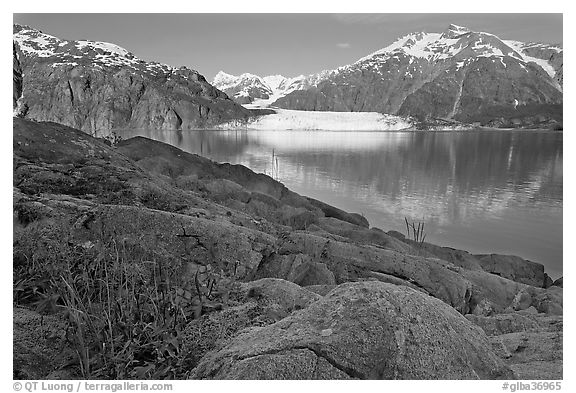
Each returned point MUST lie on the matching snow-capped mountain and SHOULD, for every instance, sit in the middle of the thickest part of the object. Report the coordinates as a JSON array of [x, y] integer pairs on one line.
[[244, 88], [458, 74], [262, 91], [94, 86]]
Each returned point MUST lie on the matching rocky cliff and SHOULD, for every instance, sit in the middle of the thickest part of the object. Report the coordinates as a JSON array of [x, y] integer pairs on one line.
[[462, 75], [16, 79], [98, 86]]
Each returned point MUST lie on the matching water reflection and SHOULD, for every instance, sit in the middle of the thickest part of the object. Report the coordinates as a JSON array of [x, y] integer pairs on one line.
[[481, 191]]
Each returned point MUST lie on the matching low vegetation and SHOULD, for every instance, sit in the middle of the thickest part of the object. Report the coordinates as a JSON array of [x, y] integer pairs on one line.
[[126, 310]]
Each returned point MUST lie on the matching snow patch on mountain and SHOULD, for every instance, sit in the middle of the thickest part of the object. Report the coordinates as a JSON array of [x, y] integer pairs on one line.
[[521, 48], [105, 47], [275, 82], [36, 43]]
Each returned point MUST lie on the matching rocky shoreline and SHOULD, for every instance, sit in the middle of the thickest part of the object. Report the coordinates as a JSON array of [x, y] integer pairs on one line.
[[140, 261]]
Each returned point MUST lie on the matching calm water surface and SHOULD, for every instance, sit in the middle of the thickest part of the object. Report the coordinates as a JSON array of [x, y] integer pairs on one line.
[[481, 191]]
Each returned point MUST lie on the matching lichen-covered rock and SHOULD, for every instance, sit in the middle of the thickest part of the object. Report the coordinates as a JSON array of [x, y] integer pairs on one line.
[[260, 303], [504, 323], [493, 294], [532, 355], [287, 295], [40, 349], [457, 257], [551, 301], [364, 330], [321, 289], [350, 262], [331, 211], [299, 268], [362, 235]]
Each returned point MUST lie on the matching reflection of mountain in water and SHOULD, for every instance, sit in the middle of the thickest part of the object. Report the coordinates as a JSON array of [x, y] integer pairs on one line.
[[446, 175]]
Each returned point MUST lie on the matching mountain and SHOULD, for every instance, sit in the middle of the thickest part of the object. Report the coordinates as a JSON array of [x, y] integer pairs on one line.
[[249, 88], [96, 86], [458, 74], [244, 88]]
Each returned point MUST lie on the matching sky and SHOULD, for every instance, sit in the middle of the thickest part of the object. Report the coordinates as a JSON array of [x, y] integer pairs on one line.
[[266, 44]]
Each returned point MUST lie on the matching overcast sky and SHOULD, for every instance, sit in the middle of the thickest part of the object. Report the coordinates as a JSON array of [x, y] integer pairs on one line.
[[264, 44]]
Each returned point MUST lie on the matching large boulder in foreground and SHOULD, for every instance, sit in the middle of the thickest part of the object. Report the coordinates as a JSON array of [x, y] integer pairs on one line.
[[363, 330]]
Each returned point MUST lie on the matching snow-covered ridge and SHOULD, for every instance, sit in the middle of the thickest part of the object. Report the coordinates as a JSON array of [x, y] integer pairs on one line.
[[223, 80], [35, 43], [275, 86], [454, 41], [63, 53]]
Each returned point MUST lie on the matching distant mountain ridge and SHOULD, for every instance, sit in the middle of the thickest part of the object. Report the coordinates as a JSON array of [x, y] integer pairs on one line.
[[458, 75], [246, 88], [96, 86]]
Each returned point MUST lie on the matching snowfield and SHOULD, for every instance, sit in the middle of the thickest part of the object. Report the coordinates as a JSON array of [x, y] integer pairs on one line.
[[285, 119]]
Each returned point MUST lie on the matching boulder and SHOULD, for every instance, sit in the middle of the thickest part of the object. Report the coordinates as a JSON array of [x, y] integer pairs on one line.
[[457, 257], [493, 294], [331, 211], [362, 235], [559, 282], [514, 268], [547, 281], [285, 294], [299, 268], [550, 301], [363, 330]]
